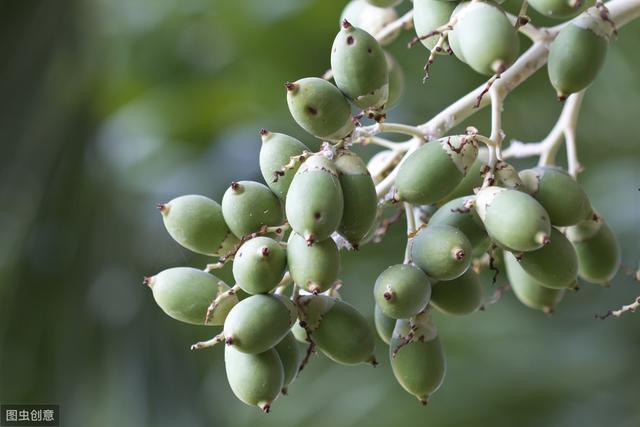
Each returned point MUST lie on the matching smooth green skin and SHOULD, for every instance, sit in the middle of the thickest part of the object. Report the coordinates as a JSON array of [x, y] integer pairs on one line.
[[515, 221], [384, 325], [559, 9], [410, 289], [255, 379], [256, 272], [370, 18], [344, 335], [289, 356], [471, 180], [554, 265], [598, 255], [396, 81], [248, 205], [486, 37], [528, 290], [315, 202], [384, 3], [299, 333], [429, 15], [320, 108], [561, 196], [420, 366], [360, 68], [433, 250], [259, 322], [464, 219], [359, 195], [459, 296], [575, 58], [196, 222], [314, 268], [427, 175], [185, 293], [275, 152]]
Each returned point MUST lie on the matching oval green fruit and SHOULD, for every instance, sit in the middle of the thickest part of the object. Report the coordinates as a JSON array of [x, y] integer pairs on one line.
[[487, 40], [597, 249], [249, 205], [315, 202], [314, 268], [359, 195], [278, 150], [459, 296], [359, 67], [513, 219], [577, 54], [384, 325], [259, 322], [185, 293], [472, 180], [459, 213], [554, 265], [402, 291], [560, 9], [370, 18], [396, 81], [528, 290], [507, 176], [381, 164], [561, 196], [320, 108], [429, 15], [196, 222], [290, 357], [255, 379], [435, 169], [441, 251], [418, 362], [259, 265]]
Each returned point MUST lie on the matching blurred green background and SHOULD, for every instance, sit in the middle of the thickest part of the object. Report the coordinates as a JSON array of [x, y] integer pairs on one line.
[[110, 106]]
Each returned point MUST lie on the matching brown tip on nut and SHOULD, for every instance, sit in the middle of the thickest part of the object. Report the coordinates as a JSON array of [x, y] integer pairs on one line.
[[148, 280], [235, 186], [372, 361], [266, 407], [346, 24], [284, 391], [162, 207], [228, 341], [264, 132], [561, 97], [387, 295], [459, 254], [423, 401], [264, 251], [311, 239], [290, 86], [545, 240]]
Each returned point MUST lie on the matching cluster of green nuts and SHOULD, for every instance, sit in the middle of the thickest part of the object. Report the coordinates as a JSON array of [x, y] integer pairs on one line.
[[288, 231]]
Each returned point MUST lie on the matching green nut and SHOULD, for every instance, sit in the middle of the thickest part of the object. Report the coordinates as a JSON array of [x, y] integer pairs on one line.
[[359, 67], [418, 361], [560, 9], [259, 322], [435, 169], [249, 205], [359, 195], [196, 222], [338, 329], [320, 108], [484, 38], [528, 290], [370, 18], [441, 251], [299, 333], [472, 180], [554, 265], [185, 294], [402, 291], [513, 219], [384, 325], [381, 164], [278, 150], [315, 202], [561, 196], [314, 268], [458, 296], [290, 357], [429, 15], [259, 265], [597, 249], [507, 176], [459, 213], [396, 81], [255, 379], [577, 54]]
